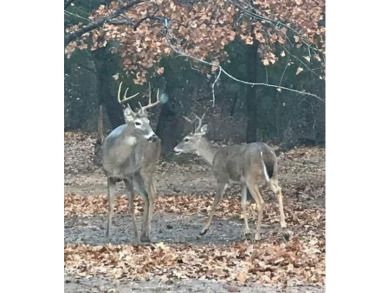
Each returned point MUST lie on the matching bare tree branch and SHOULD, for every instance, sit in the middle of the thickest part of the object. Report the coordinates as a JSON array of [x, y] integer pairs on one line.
[[300, 61], [284, 71], [77, 15], [215, 81], [237, 79]]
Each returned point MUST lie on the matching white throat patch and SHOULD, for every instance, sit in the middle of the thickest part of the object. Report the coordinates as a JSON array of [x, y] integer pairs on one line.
[[131, 140]]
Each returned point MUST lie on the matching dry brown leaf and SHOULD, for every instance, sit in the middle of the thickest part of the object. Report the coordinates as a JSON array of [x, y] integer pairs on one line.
[[242, 277]]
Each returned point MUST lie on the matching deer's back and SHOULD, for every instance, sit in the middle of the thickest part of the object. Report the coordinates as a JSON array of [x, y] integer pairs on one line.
[[237, 163]]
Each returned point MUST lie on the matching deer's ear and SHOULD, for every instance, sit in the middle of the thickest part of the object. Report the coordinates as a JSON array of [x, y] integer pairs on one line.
[[203, 130], [127, 111], [128, 115]]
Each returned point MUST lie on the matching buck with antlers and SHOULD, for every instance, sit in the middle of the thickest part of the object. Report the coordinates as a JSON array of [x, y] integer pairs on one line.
[[249, 165], [130, 154]]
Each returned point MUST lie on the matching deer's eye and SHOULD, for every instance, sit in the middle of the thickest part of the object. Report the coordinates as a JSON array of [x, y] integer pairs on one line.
[[138, 123], [186, 140]]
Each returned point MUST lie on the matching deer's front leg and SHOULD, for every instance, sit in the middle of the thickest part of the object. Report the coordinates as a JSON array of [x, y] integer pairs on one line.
[[130, 196], [218, 197], [111, 197], [145, 235]]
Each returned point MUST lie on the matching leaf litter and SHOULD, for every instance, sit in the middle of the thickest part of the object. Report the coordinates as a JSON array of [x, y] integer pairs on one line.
[[272, 261]]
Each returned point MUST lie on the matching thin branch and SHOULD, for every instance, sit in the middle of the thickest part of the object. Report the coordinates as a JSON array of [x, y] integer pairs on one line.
[[237, 79], [136, 25], [300, 61], [121, 22], [215, 81], [272, 85], [284, 71], [77, 15]]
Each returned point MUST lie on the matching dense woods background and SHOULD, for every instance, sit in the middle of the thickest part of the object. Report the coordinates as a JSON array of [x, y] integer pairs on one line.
[[96, 62]]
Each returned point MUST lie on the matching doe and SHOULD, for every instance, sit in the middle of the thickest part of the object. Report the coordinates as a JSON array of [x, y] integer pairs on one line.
[[249, 165]]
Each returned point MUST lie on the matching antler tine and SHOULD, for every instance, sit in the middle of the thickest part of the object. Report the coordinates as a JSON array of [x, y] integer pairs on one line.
[[188, 119], [119, 92], [200, 122], [121, 101], [150, 105], [192, 123], [128, 98]]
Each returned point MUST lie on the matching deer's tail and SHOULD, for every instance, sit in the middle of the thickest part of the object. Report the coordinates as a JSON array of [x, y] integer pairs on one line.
[[269, 163]]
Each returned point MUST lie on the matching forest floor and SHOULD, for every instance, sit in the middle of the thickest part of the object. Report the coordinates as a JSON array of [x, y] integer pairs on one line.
[[178, 259]]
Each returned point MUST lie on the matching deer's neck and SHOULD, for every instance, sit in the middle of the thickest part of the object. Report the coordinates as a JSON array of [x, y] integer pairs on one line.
[[125, 142], [206, 151]]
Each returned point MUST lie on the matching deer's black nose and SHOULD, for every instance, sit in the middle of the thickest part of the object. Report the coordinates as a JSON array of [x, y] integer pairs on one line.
[[153, 138]]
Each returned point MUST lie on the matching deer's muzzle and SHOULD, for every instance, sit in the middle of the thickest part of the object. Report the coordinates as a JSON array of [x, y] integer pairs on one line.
[[153, 138], [176, 151]]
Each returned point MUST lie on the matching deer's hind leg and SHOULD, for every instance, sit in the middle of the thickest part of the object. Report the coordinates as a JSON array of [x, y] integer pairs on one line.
[[273, 184], [247, 231], [151, 190]]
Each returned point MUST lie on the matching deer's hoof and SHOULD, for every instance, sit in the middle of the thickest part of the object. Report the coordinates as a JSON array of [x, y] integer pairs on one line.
[[257, 237], [203, 232], [247, 235], [287, 235], [145, 238]]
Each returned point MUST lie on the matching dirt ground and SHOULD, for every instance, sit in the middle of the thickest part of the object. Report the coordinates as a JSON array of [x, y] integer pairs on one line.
[[185, 189]]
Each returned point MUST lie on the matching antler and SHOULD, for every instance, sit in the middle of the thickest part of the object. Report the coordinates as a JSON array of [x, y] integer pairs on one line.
[[150, 104], [188, 119], [124, 99], [200, 122], [196, 118]]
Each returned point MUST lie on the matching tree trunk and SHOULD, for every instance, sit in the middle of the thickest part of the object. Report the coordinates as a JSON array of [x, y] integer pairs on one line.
[[168, 129], [251, 99], [100, 124], [113, 109], [105, 66]]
